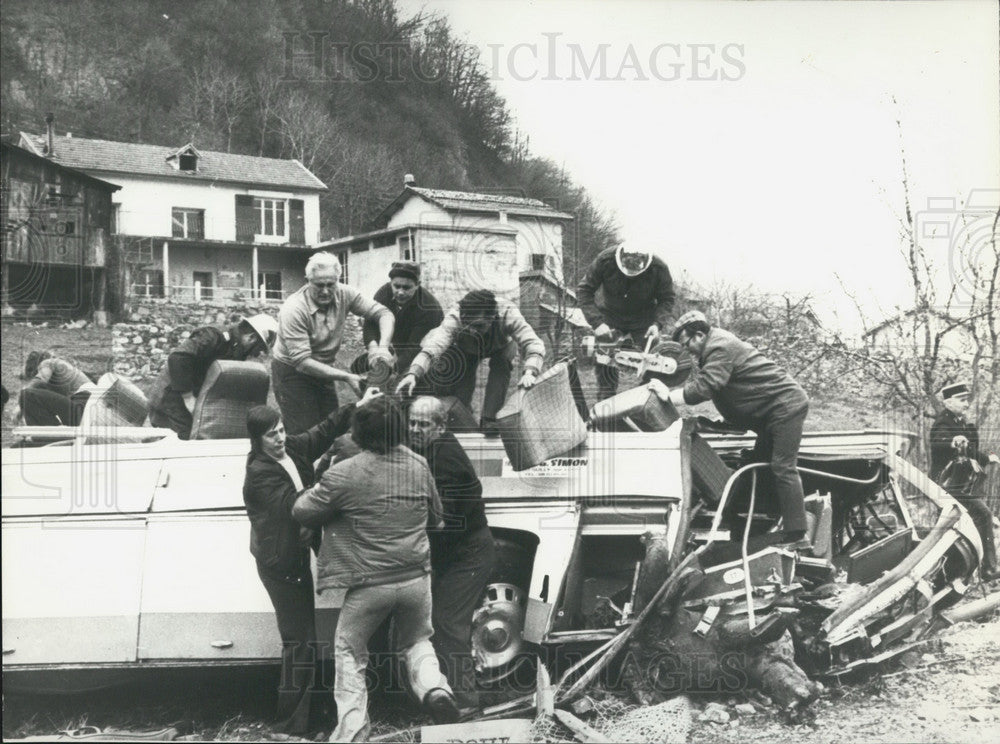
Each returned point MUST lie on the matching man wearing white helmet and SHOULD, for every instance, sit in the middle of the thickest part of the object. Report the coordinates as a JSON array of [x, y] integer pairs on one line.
[[637, 295], [171, 401], [753, 392]]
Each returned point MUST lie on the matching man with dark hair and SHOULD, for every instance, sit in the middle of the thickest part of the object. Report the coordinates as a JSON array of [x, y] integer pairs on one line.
[[637, 297], [374, 509], [753, 392], [172, 399], [958, 464], [417, 313], [462, 551], [479, 327]]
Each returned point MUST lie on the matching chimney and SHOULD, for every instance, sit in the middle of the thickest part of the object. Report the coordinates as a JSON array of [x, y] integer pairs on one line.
[[50, 147], [409, 180]]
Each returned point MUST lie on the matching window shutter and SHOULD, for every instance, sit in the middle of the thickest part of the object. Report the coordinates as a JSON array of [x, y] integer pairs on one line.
[[246, 223], [296, 222]]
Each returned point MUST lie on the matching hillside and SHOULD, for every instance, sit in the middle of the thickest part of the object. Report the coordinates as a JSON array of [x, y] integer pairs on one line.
[[358, 94]]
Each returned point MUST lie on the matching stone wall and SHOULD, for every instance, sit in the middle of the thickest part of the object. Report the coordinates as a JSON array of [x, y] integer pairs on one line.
[[153, 328]]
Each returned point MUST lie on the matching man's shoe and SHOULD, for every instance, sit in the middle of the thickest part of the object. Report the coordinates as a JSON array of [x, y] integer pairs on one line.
[[441, 706], [489, 428], [794, 540]]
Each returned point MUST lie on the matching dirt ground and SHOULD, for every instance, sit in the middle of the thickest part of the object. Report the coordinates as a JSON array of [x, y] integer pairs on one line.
[[947, 692]]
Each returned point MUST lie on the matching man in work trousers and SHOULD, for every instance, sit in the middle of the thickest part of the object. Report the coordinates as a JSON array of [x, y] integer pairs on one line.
[[374, 509], [753, 392], [172, 399], [310, 331], [479, 327], [462, 552], [638, 295], [957, 464]]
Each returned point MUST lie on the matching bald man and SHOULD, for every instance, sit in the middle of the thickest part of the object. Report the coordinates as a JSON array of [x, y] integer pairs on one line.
[[462, 552]]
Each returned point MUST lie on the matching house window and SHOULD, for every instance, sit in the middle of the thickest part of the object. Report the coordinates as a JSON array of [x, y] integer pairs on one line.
[[407, 252], [538, 262], [203, 285], [116, 218], [270, 282], [188, 162], [188, 223], [270, 217], [149, 284]]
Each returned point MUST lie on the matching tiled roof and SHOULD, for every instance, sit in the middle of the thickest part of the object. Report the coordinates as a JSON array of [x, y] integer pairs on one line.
[[468, 201], [104, 156]]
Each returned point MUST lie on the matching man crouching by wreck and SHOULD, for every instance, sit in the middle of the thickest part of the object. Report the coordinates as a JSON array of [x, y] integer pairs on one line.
[[374, 509]]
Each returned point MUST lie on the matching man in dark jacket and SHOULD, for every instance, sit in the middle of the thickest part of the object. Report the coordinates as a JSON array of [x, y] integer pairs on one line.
[[637, 298], [172, 399], [279, 467], [753, 392], [417, 313], [957, 464], [462, 552]]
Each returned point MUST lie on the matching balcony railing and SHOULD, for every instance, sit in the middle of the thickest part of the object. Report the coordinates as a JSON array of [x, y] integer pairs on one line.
[[197, 293]]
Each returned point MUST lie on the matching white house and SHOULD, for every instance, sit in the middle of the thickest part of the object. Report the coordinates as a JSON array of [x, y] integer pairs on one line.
[[198, 225], [463, 241]]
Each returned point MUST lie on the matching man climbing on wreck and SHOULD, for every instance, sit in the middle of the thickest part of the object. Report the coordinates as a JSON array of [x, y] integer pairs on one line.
[[751, 391]]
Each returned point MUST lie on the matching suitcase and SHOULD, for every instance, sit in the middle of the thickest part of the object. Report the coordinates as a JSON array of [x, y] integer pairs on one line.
[[230, 390], [638, 409], [543, 421]]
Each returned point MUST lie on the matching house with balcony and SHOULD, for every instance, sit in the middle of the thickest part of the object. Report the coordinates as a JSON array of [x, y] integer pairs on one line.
[[464, 240], [196, 225]]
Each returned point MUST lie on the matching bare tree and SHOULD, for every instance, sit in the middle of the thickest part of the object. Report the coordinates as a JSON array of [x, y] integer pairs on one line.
[[218, 100], [950, 331], [308, 134]]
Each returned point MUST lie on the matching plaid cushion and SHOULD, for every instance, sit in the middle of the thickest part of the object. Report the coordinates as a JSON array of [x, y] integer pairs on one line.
[[230, 390]]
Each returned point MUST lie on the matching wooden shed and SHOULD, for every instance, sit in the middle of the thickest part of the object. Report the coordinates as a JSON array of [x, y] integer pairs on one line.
[[57, 245]]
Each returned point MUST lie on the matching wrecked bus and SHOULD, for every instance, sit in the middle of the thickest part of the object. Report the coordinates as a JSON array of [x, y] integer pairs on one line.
[[129, 551]]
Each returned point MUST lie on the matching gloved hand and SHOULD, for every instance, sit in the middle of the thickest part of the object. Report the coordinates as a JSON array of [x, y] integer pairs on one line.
[[527, 379], [370, 392], [380, 354], [653, 332]]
